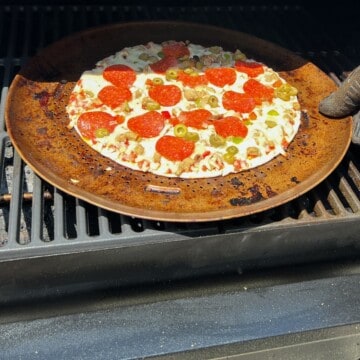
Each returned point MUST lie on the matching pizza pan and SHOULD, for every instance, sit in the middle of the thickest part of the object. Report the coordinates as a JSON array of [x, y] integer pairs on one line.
[[37, 124]]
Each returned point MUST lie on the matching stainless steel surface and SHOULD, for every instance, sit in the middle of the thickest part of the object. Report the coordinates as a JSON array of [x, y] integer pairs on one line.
[[301, 313]]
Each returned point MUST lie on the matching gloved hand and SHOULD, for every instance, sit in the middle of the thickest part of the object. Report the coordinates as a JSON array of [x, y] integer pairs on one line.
[[345, 101]]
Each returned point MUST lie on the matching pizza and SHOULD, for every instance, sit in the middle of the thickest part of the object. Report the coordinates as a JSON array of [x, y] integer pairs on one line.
[[179, 109]]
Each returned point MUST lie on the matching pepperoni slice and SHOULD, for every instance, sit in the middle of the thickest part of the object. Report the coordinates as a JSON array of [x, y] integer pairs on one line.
[[174, 148], [148, 124], [230, 126], [259, 91], [91, 121], [165, 95], [221, 76], [114, 96], [163, 64], [176, 49], [120, 75], [198, 118], [251, 68], [239, 102], [192, 80], [174, 121]]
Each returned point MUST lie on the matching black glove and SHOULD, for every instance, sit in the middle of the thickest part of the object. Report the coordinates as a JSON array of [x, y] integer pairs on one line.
[[345, 101]]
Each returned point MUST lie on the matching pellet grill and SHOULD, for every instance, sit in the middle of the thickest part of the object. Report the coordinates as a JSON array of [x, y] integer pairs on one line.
[[78, 281]]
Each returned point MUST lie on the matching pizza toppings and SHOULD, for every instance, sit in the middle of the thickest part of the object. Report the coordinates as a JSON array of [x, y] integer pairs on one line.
[[175, 49], [96, 124], [285, 91], [184, 110], [239, 102], [120, 75], [114, 96], [198, 118], [174, 148], [251, 68], [165, 95], [191, 79], [147, 125], [258, 91], [163, 64], [230, 126], [221, 76]]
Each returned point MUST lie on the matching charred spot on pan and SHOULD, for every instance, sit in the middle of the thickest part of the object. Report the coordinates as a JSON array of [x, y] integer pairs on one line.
[[45, 144], [236, 182], [98, 170], [59, 90], [42, 131], [303, 143], [25, 82], [269, 191], [43, 97], [255, 197], [303, 140], [310, 150], [87, 158], [295, 180], [305, 120], [49, 114], [126, 178]]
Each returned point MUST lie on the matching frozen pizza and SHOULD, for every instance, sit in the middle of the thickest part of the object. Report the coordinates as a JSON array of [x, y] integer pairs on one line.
[[179, 109]]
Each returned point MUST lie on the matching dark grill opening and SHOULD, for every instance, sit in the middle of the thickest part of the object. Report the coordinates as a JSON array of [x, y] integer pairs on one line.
[[52, 244]]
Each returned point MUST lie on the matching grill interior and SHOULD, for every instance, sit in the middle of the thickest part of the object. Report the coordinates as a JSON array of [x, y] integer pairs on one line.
[[65, 264], [38, 221]]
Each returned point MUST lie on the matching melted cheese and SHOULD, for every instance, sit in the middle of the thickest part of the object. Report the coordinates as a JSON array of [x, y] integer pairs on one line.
[[269, 140]]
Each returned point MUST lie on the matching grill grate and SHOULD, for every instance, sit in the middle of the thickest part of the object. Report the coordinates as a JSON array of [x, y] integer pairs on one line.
[[39, 220]]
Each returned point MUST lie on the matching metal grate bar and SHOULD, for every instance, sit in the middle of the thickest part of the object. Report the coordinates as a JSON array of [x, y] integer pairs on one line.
[[104, 223], [59, 212], [81, 228], [350, 195], [15, 205], [37, 212]]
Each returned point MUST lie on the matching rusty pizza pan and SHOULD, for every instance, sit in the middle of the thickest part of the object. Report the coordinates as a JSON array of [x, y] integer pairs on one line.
[[36, 122]]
